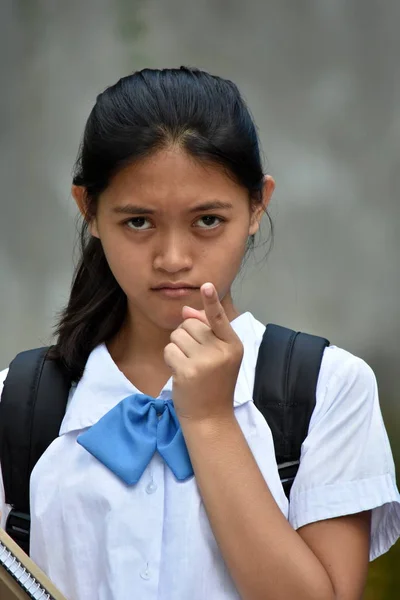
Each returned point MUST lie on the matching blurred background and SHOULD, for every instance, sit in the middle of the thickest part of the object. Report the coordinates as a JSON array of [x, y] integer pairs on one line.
[[322, 81]]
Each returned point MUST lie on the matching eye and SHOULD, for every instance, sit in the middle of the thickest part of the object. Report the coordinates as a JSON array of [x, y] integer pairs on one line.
[[139, 224], [209, 222]]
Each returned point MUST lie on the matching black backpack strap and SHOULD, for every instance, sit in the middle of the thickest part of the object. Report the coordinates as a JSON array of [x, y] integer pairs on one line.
[[32, 407], [285, 386]]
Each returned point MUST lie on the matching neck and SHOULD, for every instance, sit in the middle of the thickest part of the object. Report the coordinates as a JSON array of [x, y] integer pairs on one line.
[[139, 339]]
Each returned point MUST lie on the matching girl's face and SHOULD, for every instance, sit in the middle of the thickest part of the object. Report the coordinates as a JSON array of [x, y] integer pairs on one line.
[[169, 220]]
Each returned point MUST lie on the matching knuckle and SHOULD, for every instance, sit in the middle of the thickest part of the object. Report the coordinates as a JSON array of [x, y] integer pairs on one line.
[[176, 335], [192, 324], [238, 355], [187, 323], [234, 353], [240, 348], [168, 349], [219, 316], [190, 373]]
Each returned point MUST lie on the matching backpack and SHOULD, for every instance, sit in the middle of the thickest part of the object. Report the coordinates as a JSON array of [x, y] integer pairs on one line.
[[36, 390]]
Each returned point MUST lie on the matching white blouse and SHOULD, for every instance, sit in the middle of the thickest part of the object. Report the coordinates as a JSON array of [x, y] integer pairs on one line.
[[99, 539]]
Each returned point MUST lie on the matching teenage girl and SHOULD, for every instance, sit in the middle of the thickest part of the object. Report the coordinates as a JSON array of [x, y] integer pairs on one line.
[[171, 188]]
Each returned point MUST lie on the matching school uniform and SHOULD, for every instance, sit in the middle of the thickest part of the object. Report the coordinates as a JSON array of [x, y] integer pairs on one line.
[[100, 539]]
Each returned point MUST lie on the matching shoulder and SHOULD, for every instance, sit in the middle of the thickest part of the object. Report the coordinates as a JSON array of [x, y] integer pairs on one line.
[[339, 364], [345, 379], [339, 367]]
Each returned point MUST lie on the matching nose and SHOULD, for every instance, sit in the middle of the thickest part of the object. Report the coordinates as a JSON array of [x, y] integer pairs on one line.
[[173, 254]]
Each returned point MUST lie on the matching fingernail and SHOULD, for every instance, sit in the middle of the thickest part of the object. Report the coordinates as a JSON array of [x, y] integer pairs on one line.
[[208, 290]]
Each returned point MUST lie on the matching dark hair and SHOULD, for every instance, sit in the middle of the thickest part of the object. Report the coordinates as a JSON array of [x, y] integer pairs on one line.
[[142, 113]]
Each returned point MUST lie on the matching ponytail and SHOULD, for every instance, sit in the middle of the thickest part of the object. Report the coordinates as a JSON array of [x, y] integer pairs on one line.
[[95, 311]]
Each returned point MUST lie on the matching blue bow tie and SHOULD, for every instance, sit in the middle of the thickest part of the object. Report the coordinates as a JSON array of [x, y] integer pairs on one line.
[[125, 439]]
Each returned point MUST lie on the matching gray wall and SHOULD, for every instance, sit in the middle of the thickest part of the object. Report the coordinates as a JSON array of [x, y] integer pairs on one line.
[[322, 80]]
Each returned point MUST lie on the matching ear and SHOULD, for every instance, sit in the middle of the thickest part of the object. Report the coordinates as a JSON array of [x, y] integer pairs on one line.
[[259, 209], [79, 194]]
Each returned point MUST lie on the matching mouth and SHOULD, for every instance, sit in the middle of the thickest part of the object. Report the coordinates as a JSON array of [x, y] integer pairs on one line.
[[173, 290]]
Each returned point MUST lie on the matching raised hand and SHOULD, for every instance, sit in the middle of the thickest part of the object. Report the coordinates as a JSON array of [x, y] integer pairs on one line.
[[205, 356]]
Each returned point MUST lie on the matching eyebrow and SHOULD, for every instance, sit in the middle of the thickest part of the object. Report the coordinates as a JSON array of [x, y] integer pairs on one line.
[[132, 209]]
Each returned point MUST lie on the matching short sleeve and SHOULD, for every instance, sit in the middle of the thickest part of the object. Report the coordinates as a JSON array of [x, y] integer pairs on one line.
[[346, 462]]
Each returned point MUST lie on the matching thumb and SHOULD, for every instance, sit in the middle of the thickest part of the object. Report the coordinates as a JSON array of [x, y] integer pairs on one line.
[[192, 313]]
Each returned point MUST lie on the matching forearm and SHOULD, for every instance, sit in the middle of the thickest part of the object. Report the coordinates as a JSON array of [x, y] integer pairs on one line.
[[266, 557]]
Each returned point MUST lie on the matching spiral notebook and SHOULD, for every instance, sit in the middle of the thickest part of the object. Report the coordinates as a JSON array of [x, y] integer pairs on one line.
[[20, 578]]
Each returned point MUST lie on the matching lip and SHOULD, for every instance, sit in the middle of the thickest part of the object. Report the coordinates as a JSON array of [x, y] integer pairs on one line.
[[174, 285], [175, 290]]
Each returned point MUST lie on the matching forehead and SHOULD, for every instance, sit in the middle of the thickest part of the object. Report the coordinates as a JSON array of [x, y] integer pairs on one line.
[[171, 178]]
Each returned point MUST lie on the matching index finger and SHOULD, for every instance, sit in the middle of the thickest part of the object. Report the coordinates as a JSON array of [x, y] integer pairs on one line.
[[215, 312]]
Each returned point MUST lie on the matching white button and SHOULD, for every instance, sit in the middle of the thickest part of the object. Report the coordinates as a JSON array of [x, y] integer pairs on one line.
[[151, 487], [145, 574]]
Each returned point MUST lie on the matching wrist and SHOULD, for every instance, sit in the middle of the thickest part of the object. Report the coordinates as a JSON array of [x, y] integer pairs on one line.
[[208, 427]]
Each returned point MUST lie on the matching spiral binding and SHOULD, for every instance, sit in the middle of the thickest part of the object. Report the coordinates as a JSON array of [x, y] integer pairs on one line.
[[25, 579]]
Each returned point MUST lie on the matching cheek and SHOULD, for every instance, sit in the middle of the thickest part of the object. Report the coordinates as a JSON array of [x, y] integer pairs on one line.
[[127, 265], [223, 259], [233, 244]]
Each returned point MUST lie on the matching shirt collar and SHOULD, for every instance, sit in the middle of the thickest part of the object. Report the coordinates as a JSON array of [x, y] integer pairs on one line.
[[103, 385]]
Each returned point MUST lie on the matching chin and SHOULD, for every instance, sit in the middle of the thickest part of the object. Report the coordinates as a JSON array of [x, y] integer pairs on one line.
[[168, 319]]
